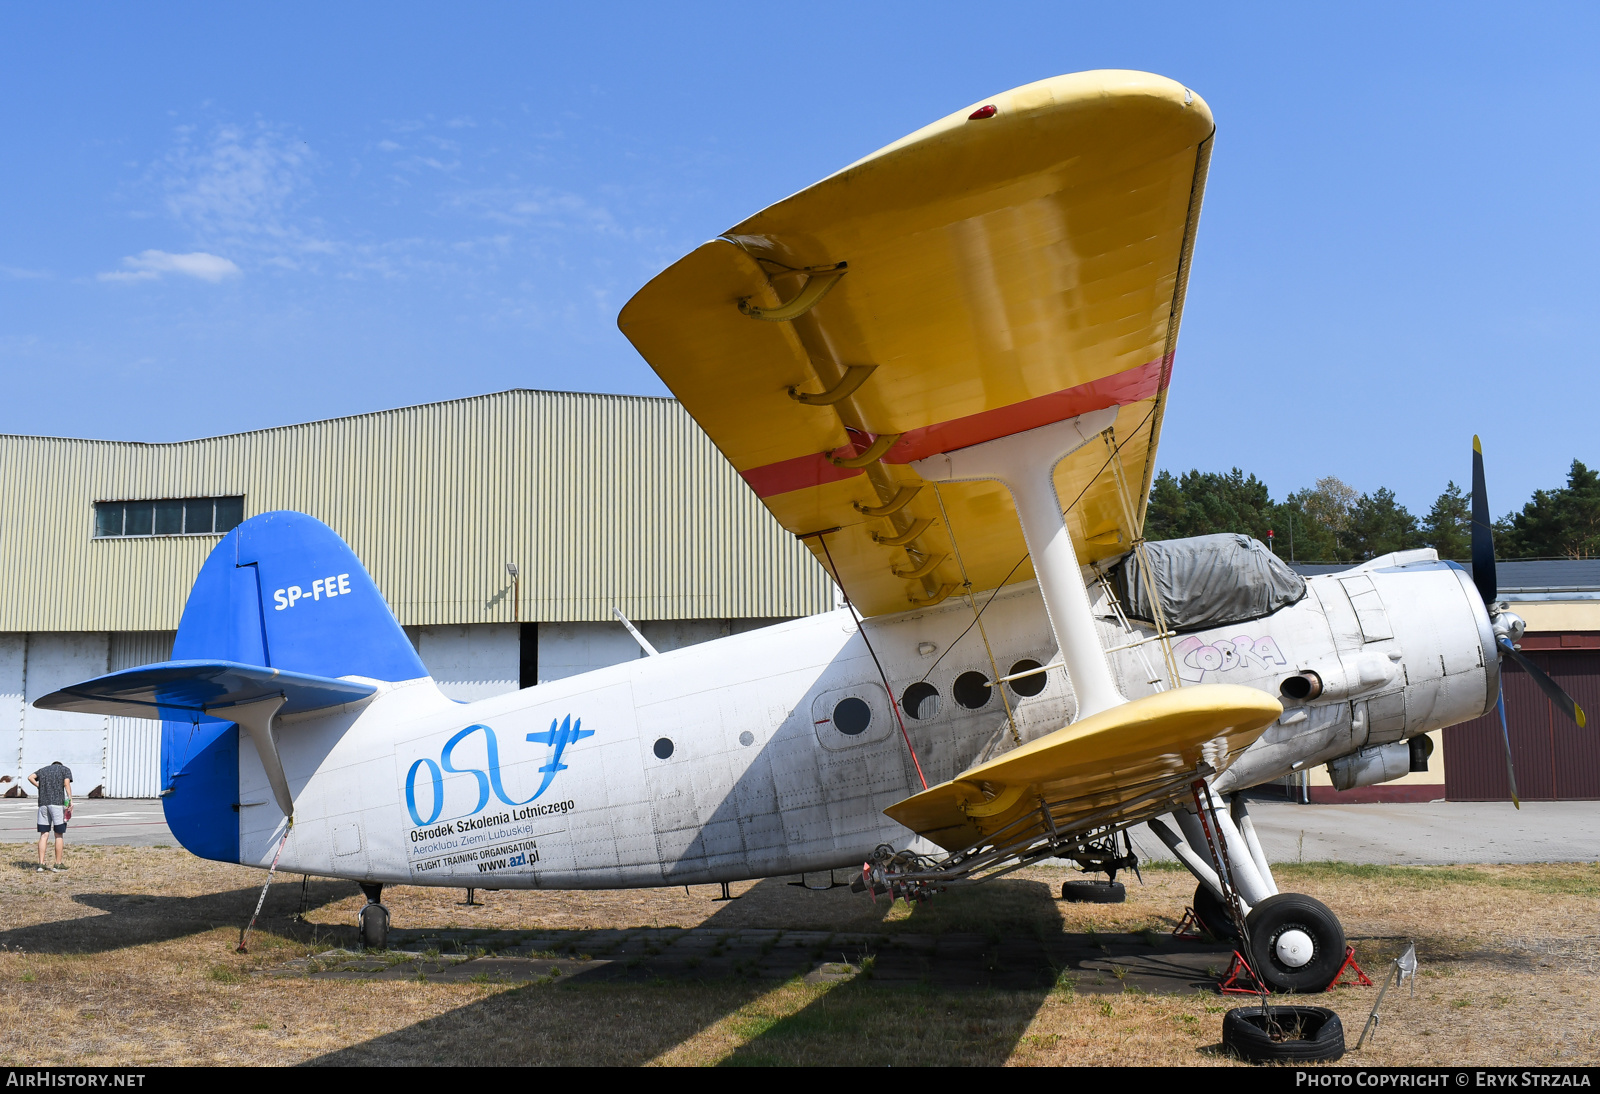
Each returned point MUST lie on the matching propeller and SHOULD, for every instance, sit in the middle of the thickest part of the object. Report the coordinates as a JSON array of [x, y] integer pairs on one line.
[[1507, 627]]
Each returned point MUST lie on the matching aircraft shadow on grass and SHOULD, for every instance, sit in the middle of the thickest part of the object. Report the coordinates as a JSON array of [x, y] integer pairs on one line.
[[1008, 939], [121, 920]]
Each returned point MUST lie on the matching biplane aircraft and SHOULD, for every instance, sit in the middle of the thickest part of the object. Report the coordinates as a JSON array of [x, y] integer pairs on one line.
[[945, 368]]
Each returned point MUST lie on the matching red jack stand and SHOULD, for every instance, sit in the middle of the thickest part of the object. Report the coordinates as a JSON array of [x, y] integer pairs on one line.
[[1238, 969], [1350, 964], [1190, 928]]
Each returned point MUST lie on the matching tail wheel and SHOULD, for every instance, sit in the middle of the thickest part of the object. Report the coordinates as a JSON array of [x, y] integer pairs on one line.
[[372, 927], [1296, 943]]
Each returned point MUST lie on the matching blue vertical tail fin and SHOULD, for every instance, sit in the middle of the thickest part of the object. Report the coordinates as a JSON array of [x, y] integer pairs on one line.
[[283, 591]]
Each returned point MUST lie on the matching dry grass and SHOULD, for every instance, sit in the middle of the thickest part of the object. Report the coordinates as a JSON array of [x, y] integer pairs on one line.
[[128, 959]]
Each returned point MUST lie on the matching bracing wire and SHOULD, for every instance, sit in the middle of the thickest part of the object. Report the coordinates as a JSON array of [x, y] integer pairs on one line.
[[894, 703], [977, 619]]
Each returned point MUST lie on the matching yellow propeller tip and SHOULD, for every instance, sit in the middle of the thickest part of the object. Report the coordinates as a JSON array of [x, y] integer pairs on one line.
[[1476, 447]]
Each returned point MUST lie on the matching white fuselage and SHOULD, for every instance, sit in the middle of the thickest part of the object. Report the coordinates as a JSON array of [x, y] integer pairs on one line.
[[725, 761]]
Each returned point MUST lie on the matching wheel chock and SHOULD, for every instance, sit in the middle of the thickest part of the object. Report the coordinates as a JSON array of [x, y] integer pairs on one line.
[[1350, 965], [1190, 928], [1238, 970]]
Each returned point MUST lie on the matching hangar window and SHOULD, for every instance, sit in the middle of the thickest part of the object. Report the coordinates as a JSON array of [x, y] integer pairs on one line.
[[167, 517]]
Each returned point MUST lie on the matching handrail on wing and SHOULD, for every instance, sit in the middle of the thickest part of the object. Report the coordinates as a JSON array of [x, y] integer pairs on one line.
[[917, 528], [937, 598], [854, 376], [818, 285], [893, 505], [929, 564], [875, 452]]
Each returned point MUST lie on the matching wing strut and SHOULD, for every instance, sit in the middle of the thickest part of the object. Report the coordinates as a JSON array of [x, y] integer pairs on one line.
[[1025, 464]]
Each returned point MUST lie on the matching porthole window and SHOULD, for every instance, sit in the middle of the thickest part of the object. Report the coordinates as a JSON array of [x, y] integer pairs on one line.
[[747, 738], [663, 748], [972, 690], [852, 716], [1028, 685], [921, 700]]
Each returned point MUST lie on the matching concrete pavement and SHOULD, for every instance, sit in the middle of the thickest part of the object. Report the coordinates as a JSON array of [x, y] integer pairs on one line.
[[1418, 834], [125, 822]]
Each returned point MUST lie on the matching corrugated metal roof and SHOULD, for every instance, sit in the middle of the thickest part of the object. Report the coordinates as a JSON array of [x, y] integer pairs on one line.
[[601, 500]]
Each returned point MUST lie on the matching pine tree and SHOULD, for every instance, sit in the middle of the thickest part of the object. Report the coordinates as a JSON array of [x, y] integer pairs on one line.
[[1448, 526], [1378, 524], [1560, 523], [1302, 534]]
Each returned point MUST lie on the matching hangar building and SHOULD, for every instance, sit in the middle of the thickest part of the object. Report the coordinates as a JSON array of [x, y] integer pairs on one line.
[[504, 531]]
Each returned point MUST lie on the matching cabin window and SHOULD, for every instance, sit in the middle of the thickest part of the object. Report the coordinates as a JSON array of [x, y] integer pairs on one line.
[[663, 748], [921, 701], [972, 690], [167, 517], [852, 716], [1028, 685]]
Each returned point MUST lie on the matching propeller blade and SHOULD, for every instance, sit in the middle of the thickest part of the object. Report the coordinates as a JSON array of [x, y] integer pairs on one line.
[[1551, 689], [1505, 735], [1482, 535]]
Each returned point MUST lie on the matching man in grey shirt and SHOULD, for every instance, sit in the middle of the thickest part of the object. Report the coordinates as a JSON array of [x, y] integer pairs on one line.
[[55, 791]]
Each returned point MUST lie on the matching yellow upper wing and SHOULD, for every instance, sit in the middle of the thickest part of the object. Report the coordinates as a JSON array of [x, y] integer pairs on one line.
[[995, 271]]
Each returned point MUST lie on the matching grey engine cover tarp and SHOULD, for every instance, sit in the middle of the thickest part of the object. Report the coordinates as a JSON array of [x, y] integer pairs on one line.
[[1207, 581]]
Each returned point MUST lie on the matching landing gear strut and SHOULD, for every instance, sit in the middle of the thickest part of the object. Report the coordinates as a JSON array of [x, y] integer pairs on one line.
[[1295, 943], [372, 921]]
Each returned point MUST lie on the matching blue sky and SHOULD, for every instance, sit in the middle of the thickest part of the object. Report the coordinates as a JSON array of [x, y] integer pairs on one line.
[[402, 203]]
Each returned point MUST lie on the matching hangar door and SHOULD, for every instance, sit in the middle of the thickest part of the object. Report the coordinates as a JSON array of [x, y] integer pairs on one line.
[[1555, 760]]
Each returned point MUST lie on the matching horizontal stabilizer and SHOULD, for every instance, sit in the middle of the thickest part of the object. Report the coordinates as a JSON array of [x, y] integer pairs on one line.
[[200, 691], [1096, 769]]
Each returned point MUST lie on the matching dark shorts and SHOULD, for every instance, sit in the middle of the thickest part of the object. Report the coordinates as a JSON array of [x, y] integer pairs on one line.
[[53, 816]]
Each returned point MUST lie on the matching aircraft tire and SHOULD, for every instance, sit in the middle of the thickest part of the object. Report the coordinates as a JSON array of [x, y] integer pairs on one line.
[[1270, 925], [372, 927], [1214, 914], [1094, 892], [1244, 1033]]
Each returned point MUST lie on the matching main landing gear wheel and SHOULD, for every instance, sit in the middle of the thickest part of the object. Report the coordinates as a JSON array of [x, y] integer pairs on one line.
[[1296, 943], [1094, 892], [1214, 914]]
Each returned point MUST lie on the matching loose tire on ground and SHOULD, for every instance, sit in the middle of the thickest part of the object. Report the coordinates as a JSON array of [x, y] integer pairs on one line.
[[1270, 925], [1094, 892], [372, 927], [1214, 914], [1320, 1034]]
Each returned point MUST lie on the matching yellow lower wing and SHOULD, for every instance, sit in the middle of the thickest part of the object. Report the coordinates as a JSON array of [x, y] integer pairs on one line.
[[1099, 764]]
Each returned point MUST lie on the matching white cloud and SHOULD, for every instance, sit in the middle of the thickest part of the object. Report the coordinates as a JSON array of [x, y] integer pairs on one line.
[[151, 265], [244, 187]]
